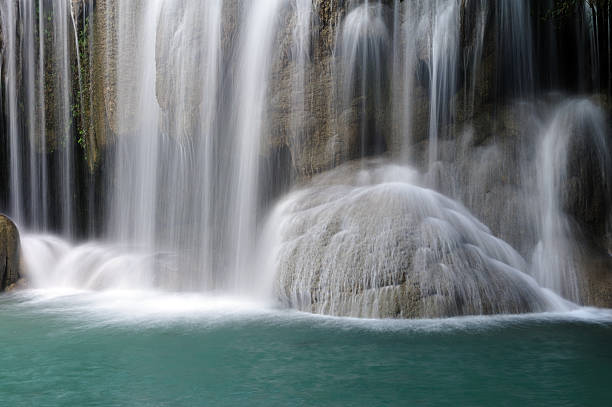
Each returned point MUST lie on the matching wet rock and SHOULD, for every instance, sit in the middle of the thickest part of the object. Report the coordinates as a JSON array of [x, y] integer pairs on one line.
[[586, 193], [365, 240], [103, 124], [597, 284], [9, 254]]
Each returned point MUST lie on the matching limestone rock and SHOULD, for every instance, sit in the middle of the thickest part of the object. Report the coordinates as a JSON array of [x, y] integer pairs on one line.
[[365, 240]]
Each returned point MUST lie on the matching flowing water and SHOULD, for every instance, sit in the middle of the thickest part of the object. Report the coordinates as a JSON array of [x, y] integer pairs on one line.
[[451, 183], [189, 186], [575, 125], [38, 65], [363, 49], [443, 63]]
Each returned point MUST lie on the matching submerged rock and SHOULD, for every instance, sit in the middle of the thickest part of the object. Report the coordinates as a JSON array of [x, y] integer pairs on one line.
[[9, 254], [366, 240]]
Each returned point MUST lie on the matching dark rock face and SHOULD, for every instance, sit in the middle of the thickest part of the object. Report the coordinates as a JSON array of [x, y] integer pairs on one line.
[[586, 193], [597, 287], [9, 254]]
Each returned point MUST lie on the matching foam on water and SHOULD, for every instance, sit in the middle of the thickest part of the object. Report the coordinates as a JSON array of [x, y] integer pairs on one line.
[[53, 263], [137, 307], [97, 283], [148, 309]]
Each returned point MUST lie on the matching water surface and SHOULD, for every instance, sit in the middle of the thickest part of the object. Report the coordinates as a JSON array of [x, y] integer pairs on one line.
[[143, 349]]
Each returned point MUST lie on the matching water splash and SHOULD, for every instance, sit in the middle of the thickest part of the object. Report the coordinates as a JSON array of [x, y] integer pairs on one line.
[[54, 263]]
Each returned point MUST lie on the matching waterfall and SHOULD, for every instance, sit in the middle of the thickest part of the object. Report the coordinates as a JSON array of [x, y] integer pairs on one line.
[[63, 94], [473, 56], [31, 127], [138, 116], [516, 76], [42, 109], [177, 144], [577, 126], [405, 73], [443, 70], [39, 74], [426, 70], [364, 51], [9, 18], [302, 58], [185, 194], [256, 51], [166, 165], [186, 167]]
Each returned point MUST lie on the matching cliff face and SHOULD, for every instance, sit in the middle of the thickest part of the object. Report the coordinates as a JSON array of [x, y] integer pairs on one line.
[[324, 133], [311, 134]]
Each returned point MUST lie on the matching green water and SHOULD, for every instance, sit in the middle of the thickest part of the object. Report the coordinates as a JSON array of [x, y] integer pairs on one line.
[[133, 349]]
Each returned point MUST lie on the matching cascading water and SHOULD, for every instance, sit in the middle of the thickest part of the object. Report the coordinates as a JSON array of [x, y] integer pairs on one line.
[[576, 125], [514, 41], [364, 50], [9, 17], [188, 92], [443, 70], [165, 163], [63, 99], [410, 33], [39, 73], [176, 192], [302, 57], [473, 55], [256, 51], [427, 68], [138, 156]]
